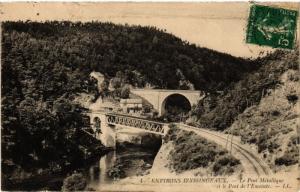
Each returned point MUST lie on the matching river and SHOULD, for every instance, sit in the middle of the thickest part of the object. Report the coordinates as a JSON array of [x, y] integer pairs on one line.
[[130, 161]]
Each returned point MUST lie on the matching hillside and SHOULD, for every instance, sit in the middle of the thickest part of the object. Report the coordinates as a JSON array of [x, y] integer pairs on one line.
[[261, 109], [271, 126], [144, 54], [220, 109]]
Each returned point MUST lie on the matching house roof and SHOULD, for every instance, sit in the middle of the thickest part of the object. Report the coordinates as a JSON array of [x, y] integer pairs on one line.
[[131, 101]]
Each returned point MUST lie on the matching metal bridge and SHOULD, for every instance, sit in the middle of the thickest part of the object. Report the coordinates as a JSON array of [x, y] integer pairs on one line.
[[135, 122], [250, 160]]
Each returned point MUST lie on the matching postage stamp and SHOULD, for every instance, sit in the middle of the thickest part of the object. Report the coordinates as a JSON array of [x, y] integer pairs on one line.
[[274, 27]]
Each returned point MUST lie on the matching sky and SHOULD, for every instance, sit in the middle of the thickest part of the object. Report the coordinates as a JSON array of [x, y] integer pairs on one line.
[[218, 26]]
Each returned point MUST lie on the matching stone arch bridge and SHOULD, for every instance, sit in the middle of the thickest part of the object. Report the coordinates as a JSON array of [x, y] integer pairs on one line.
[[158, 97]]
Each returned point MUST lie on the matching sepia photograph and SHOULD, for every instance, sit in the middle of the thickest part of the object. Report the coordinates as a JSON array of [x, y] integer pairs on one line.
[[152, 96]]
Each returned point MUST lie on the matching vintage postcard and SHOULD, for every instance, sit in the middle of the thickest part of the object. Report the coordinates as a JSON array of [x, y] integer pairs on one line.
[[194, 97]]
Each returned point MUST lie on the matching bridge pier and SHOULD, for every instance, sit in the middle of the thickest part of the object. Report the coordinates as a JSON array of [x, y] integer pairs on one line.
[[108, 136], [106, 133]]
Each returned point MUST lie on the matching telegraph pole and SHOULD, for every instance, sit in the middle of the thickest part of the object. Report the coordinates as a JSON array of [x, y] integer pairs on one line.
[[231, 143], [227, 139]]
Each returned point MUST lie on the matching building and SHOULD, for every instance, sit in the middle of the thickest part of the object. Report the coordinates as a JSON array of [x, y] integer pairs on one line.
[[131, 105]]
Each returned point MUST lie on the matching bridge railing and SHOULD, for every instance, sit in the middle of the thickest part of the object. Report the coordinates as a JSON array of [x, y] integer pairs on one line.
[[151, 126]]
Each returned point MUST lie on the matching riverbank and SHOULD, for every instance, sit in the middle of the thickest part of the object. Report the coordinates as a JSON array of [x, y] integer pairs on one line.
[[15, 177]]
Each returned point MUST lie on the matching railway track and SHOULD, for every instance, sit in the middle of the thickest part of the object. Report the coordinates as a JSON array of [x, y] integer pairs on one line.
[[253, 163]]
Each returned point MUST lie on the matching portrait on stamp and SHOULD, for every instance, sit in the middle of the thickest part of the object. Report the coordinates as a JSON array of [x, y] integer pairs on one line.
[[275, 27]]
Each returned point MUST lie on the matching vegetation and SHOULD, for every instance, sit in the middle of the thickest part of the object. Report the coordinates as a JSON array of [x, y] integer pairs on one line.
[[40, 121], [75, 182], [120, 86], [117, 172], [272, 124], [142, 54], [45, 66], [219, 109], [225, 165], [192, 151], [291, 156], [136, 164]]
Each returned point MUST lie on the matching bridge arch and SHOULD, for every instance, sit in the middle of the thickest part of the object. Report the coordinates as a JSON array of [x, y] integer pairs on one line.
[[157, 97], [175, 101]]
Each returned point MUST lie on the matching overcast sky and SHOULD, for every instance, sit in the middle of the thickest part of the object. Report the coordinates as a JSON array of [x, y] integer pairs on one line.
[[219, 26]]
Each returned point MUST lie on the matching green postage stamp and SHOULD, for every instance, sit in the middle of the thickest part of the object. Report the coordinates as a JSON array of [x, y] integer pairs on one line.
[[275, 27]]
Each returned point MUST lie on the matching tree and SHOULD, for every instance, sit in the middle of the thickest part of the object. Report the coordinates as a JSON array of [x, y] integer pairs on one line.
[[125, 91], [116, 82], [103, 89], [75, 182]]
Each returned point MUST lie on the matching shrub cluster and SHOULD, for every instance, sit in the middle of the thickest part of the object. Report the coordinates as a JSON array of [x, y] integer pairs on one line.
[[192, 151], [225, 164], [116, 172], [75, 182], [291, 155]]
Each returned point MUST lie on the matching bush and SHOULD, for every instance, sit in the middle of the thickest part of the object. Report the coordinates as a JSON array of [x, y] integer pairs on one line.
[[271, 146], [287, 130], [146, 109], [293, 76], [224, 165], [262, 142], [125, 91], [75, 182], [171, 135], [286, 160], [291, 155], [116, 172], [192, 151], [275, 113], [292, 98]]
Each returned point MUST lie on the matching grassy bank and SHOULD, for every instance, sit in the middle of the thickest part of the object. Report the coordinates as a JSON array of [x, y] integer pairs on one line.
[[192, 152]]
